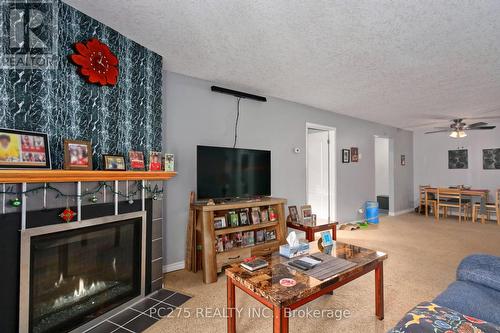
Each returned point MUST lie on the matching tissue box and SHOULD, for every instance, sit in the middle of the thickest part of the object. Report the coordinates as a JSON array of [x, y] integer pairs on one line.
[[294, 251]]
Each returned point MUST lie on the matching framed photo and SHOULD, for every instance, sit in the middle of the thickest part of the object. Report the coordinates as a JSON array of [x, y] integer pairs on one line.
[[270, 235], [136, 159], [220, 222], [403, 160], [491, 159], [169, 162], [458, 159], [244, 220], [114, 162], [294, 213], [264, 215], [233, 219], [306, 213], [354, 154], [326, 238], [273, 216], [346, 155], [24, 150], [255, 214], [77, 155], [260, 236], [154, 161], [248, 238]]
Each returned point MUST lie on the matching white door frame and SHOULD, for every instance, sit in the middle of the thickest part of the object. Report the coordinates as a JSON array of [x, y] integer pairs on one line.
[[391, 171], [333, 166]]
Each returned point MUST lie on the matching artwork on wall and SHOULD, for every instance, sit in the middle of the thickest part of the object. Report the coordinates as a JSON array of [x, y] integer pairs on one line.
[[491, 159], [97, 63], [346, 155], [354, 154], [23, 150], [58, 102], [403, 160], [458, 159]]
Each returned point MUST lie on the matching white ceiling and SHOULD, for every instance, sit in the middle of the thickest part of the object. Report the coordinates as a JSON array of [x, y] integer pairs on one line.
[[401, 63]]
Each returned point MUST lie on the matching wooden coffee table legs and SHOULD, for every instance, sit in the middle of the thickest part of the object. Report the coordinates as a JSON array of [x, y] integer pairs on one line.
[[231, 306], [280, 315], [280, 320], [379, 291]]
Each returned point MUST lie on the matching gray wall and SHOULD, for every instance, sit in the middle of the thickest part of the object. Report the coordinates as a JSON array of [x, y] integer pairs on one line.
[[194, 115], [431, 160]]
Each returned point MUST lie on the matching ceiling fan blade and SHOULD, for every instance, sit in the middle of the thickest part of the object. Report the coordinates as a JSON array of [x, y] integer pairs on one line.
[[481, 128], [440, 131], [479, 124]]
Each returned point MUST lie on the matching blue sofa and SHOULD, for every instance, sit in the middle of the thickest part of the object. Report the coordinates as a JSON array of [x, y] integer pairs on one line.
[[470, 304]]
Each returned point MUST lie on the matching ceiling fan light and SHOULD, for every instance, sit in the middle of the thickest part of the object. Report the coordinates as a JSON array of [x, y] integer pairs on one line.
[[458, 134]]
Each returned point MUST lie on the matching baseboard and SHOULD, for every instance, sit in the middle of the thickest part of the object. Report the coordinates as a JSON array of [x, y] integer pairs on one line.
[[401, 212], [176, 266]]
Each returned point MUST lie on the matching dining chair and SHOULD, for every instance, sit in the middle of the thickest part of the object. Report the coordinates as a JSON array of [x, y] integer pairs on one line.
[[490, 207], [423, 195], [451, 198]]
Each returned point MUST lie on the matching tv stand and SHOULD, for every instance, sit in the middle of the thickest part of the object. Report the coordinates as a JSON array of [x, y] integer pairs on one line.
[[206, 235]]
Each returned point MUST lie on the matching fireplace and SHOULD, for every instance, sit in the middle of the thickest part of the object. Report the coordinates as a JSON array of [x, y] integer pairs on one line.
[[73, 273]]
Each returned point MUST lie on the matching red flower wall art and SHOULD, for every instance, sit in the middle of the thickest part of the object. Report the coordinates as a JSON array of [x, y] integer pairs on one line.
[[97, 63]]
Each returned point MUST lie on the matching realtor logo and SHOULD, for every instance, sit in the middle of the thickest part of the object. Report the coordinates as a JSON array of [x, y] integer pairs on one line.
[[28, 34]]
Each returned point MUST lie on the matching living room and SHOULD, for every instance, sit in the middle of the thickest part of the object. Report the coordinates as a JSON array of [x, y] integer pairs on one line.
[[235, 166]]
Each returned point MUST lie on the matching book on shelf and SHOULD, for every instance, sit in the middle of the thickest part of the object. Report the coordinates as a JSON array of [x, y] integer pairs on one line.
[[254, 264]]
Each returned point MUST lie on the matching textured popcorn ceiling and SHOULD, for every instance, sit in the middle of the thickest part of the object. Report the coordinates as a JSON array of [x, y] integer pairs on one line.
[[401, 63]]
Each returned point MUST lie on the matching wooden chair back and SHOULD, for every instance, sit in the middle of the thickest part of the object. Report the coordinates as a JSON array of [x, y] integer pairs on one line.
[[422, 192], [497, 199], [449, 193]]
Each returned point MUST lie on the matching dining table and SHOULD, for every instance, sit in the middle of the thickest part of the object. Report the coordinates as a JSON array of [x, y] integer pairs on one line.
[[482, 194]]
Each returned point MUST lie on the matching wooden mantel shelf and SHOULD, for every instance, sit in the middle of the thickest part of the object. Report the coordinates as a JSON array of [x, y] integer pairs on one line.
[[69, 176]]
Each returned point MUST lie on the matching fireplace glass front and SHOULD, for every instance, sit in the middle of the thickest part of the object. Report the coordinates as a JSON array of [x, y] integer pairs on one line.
[[78, 275]]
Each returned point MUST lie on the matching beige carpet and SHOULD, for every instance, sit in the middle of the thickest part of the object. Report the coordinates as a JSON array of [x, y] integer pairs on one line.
[[423, 256]]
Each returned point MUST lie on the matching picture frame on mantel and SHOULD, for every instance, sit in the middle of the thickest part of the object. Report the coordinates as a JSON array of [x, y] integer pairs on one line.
[[346, 155], [77, 155], [24, 150]]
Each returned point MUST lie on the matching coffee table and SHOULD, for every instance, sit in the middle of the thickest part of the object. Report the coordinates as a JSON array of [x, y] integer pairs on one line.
[[264, 284]]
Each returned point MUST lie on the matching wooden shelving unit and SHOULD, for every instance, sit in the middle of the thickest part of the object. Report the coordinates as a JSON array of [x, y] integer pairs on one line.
[[66, 176], [206, 234], [252, 227]]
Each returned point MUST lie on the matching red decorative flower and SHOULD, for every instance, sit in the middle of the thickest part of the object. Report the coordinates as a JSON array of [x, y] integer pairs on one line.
[[97, 62], [67, 215]]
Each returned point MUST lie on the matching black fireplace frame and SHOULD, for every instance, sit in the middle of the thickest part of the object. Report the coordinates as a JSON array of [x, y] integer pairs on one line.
[[25, 264]]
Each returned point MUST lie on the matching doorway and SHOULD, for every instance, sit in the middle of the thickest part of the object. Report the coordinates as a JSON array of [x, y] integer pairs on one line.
[[382, 174], [321, 189]]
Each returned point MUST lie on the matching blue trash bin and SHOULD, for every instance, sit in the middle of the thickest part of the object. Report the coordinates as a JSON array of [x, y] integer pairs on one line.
[[371, 212]]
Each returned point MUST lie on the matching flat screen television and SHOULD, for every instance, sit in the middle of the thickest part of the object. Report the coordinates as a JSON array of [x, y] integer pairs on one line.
[[225, 173]]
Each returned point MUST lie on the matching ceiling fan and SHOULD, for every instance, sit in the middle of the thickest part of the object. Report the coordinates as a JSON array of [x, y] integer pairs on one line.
[[458, 128]]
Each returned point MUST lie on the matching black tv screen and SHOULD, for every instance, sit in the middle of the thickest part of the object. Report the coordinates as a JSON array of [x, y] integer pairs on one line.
[[233, 173]]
